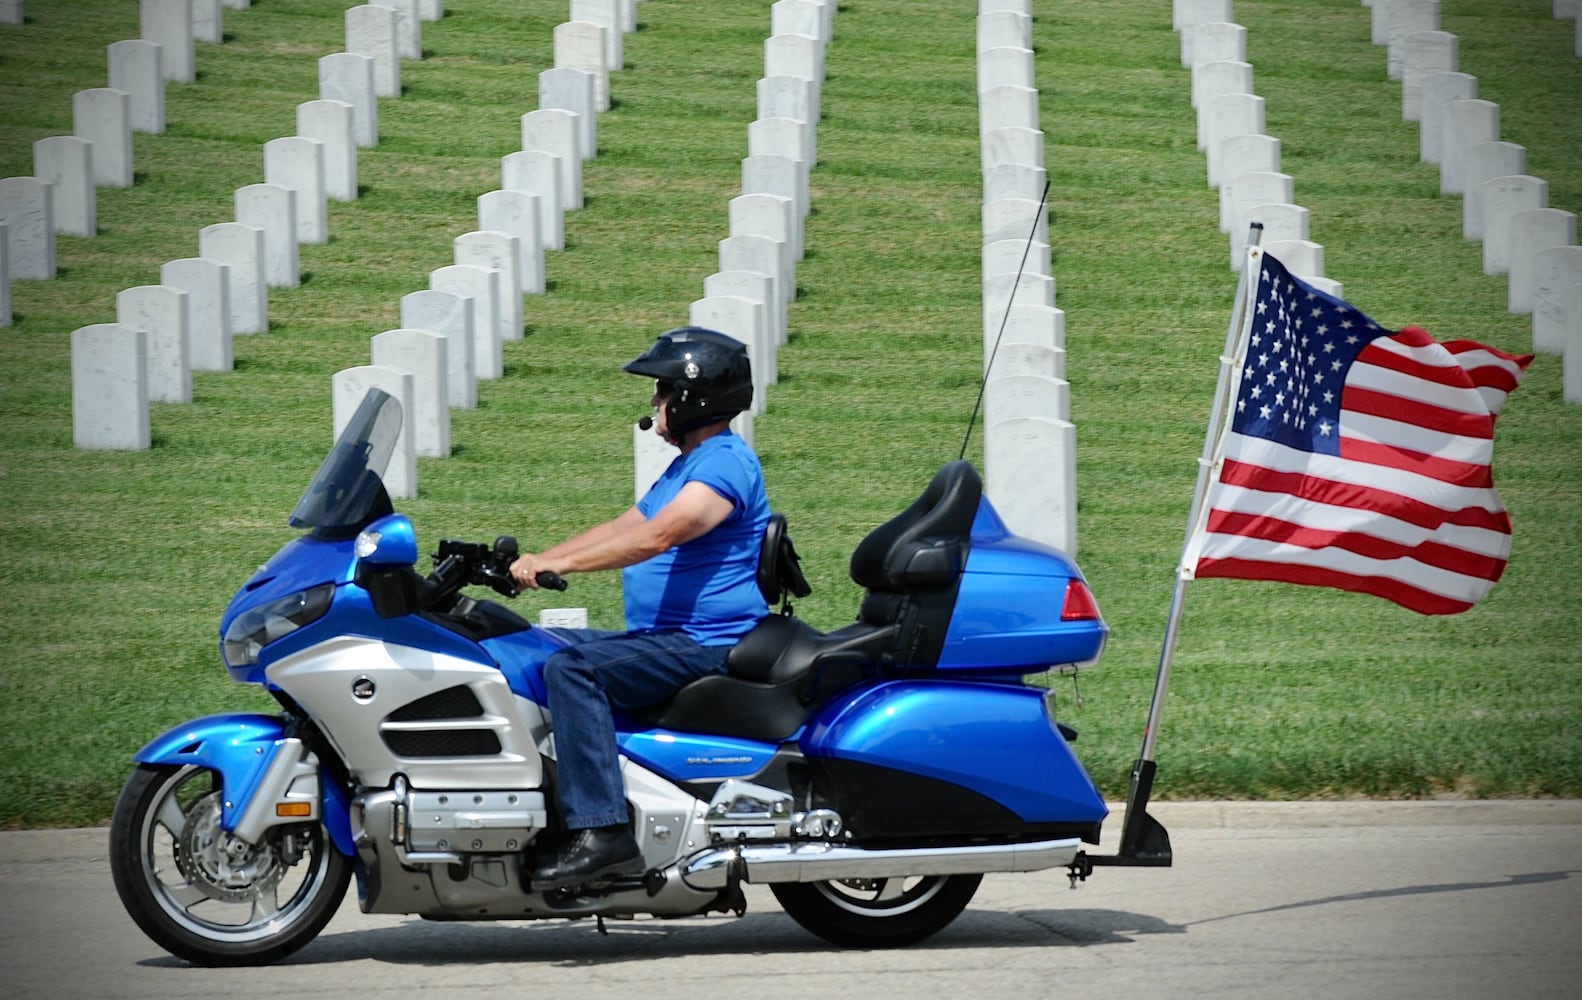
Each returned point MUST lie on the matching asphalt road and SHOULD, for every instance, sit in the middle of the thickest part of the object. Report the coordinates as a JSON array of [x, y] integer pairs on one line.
[[1435, 900]]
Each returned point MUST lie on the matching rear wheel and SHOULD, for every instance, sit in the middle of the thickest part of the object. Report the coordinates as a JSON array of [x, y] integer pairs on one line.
[[205, 897], [880, 912]]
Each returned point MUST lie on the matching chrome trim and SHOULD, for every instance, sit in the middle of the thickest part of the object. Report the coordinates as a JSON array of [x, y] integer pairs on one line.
[[714, 869]]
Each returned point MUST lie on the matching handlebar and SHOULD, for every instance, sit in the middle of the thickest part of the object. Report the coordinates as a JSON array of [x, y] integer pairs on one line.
[[459, 564]]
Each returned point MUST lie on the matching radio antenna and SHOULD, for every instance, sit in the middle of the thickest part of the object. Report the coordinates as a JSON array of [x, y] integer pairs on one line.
[[1005, 318]]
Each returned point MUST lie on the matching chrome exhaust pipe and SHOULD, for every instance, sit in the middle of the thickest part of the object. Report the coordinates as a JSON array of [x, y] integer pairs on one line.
[[821, 862]]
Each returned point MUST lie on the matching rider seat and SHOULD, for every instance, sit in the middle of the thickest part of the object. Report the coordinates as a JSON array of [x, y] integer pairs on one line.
[[784, 668]]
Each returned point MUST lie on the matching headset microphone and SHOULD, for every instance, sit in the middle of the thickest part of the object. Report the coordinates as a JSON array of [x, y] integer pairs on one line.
[[646, 423]]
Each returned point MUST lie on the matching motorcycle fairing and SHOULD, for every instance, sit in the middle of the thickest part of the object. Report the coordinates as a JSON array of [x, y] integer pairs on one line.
[[688, 757], [240, 746], [994, 739]]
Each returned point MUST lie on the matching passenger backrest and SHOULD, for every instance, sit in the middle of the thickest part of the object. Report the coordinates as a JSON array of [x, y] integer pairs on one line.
[[779, 567]]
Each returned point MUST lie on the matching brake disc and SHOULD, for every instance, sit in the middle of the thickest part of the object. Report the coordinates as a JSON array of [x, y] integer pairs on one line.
[[202, 859]]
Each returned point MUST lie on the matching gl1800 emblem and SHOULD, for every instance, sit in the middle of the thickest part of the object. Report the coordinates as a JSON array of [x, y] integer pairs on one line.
[[363, 689]]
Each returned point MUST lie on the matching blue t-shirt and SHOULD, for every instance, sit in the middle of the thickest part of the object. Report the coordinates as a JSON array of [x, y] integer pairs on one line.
[[707, 587]]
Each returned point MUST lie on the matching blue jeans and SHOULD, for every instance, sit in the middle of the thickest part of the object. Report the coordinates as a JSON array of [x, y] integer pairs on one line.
[[601, 673]]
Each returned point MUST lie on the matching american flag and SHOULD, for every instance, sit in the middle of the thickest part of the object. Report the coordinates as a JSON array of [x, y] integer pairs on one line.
[[1357, 457]]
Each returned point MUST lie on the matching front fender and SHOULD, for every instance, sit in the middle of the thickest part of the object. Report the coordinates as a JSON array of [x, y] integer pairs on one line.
[[240, 747]]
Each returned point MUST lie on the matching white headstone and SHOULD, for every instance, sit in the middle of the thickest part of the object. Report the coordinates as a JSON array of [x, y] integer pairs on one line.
[[799, 17], [753, 286], [1407, 18], [1281, 221], [1531, 232], [607, 15], [1555, 270], [1481, 163], [747, 321], [423, 355], [788, 97], [431, 10], [1503, 199], [161, 313], [109, 388], [502, 252], [449, 316], [332, 123], [777, 175], [1328, 286], [1014, 219], [480, 286], [1439, 91], [1006, 107], [207, 284], [1012, 144], [297, 164], [1379, 22], [1466, 123], [1028, 326], [1015, 389], [760, 255], [1006, 291], [1242, 154], [1426, 54], [1227, 115], [551, 130], [349, 77], [1020, 6], [1215, 41], [1192, 13], [517, 213], [371, 31], [651, 455], [65, 163], [1030, 466], [348, 387], [772, 216], [27, 214], [240, 249], [788, 137], [208, 21], [168, 23], [795, 55], [1571, 364], [5, 277], [1014, 180], [580, 45], [135, 68], [11, 12], [238, 4], [1012, 256], [568, 89], [538, 173], [1303, 258], [1218, 78], [104, 117], [408, 27], [273, 209], [1256, 187]]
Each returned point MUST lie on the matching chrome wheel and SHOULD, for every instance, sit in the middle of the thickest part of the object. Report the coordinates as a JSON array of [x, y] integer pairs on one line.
[[880, 912]]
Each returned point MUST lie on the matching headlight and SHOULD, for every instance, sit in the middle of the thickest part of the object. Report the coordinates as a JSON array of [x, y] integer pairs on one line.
[[256, 628]]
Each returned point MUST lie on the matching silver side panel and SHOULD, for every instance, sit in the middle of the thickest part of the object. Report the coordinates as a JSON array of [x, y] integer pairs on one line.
[[351, 686]]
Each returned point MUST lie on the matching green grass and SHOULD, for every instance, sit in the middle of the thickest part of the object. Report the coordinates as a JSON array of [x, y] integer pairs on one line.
[[117, 566]]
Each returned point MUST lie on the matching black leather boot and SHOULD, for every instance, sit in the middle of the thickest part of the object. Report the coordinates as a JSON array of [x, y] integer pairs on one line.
[[587, 855]]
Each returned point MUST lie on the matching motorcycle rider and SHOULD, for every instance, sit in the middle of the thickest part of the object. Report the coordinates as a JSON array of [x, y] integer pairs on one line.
[[689, 552]]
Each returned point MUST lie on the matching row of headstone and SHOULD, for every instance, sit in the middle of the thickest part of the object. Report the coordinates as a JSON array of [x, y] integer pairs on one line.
[[1243, 161], [1029, 441], [452, 333], [187, 321], [749, 295], [1502, 205]]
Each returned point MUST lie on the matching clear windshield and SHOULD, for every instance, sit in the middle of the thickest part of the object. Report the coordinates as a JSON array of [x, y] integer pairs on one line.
[[347, 492]]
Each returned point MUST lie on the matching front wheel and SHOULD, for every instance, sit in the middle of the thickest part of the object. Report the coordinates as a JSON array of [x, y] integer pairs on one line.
[[205, 897], [880, 912]]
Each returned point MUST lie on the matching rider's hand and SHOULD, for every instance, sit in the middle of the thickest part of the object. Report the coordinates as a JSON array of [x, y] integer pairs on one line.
[[526, 569]]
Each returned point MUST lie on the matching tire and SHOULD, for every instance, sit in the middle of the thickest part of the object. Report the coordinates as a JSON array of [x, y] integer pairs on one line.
[[877, 913], [197, 902]]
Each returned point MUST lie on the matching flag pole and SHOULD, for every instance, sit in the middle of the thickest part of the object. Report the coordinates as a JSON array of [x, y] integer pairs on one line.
[[1143, 840]]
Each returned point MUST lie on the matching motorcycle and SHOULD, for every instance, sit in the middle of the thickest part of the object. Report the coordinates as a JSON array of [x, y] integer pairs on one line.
[[869, 776]]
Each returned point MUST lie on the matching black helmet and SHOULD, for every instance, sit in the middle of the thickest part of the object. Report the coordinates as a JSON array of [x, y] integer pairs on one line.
[[712, 376]]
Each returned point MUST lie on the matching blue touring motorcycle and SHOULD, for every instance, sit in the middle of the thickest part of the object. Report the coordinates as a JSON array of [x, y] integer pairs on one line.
[[869, 776]]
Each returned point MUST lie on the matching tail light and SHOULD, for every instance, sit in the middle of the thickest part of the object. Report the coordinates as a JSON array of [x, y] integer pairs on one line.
[[1079, 604]]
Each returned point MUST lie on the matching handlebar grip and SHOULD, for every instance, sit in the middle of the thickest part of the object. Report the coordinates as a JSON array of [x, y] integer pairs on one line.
[[550, 581]]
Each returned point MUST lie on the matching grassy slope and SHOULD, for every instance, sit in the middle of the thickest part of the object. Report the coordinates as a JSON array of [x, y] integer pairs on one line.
[[117, 566]]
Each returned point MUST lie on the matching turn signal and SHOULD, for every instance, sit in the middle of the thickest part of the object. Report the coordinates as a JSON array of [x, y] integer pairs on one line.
[[293, 809], [1079, 604]]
